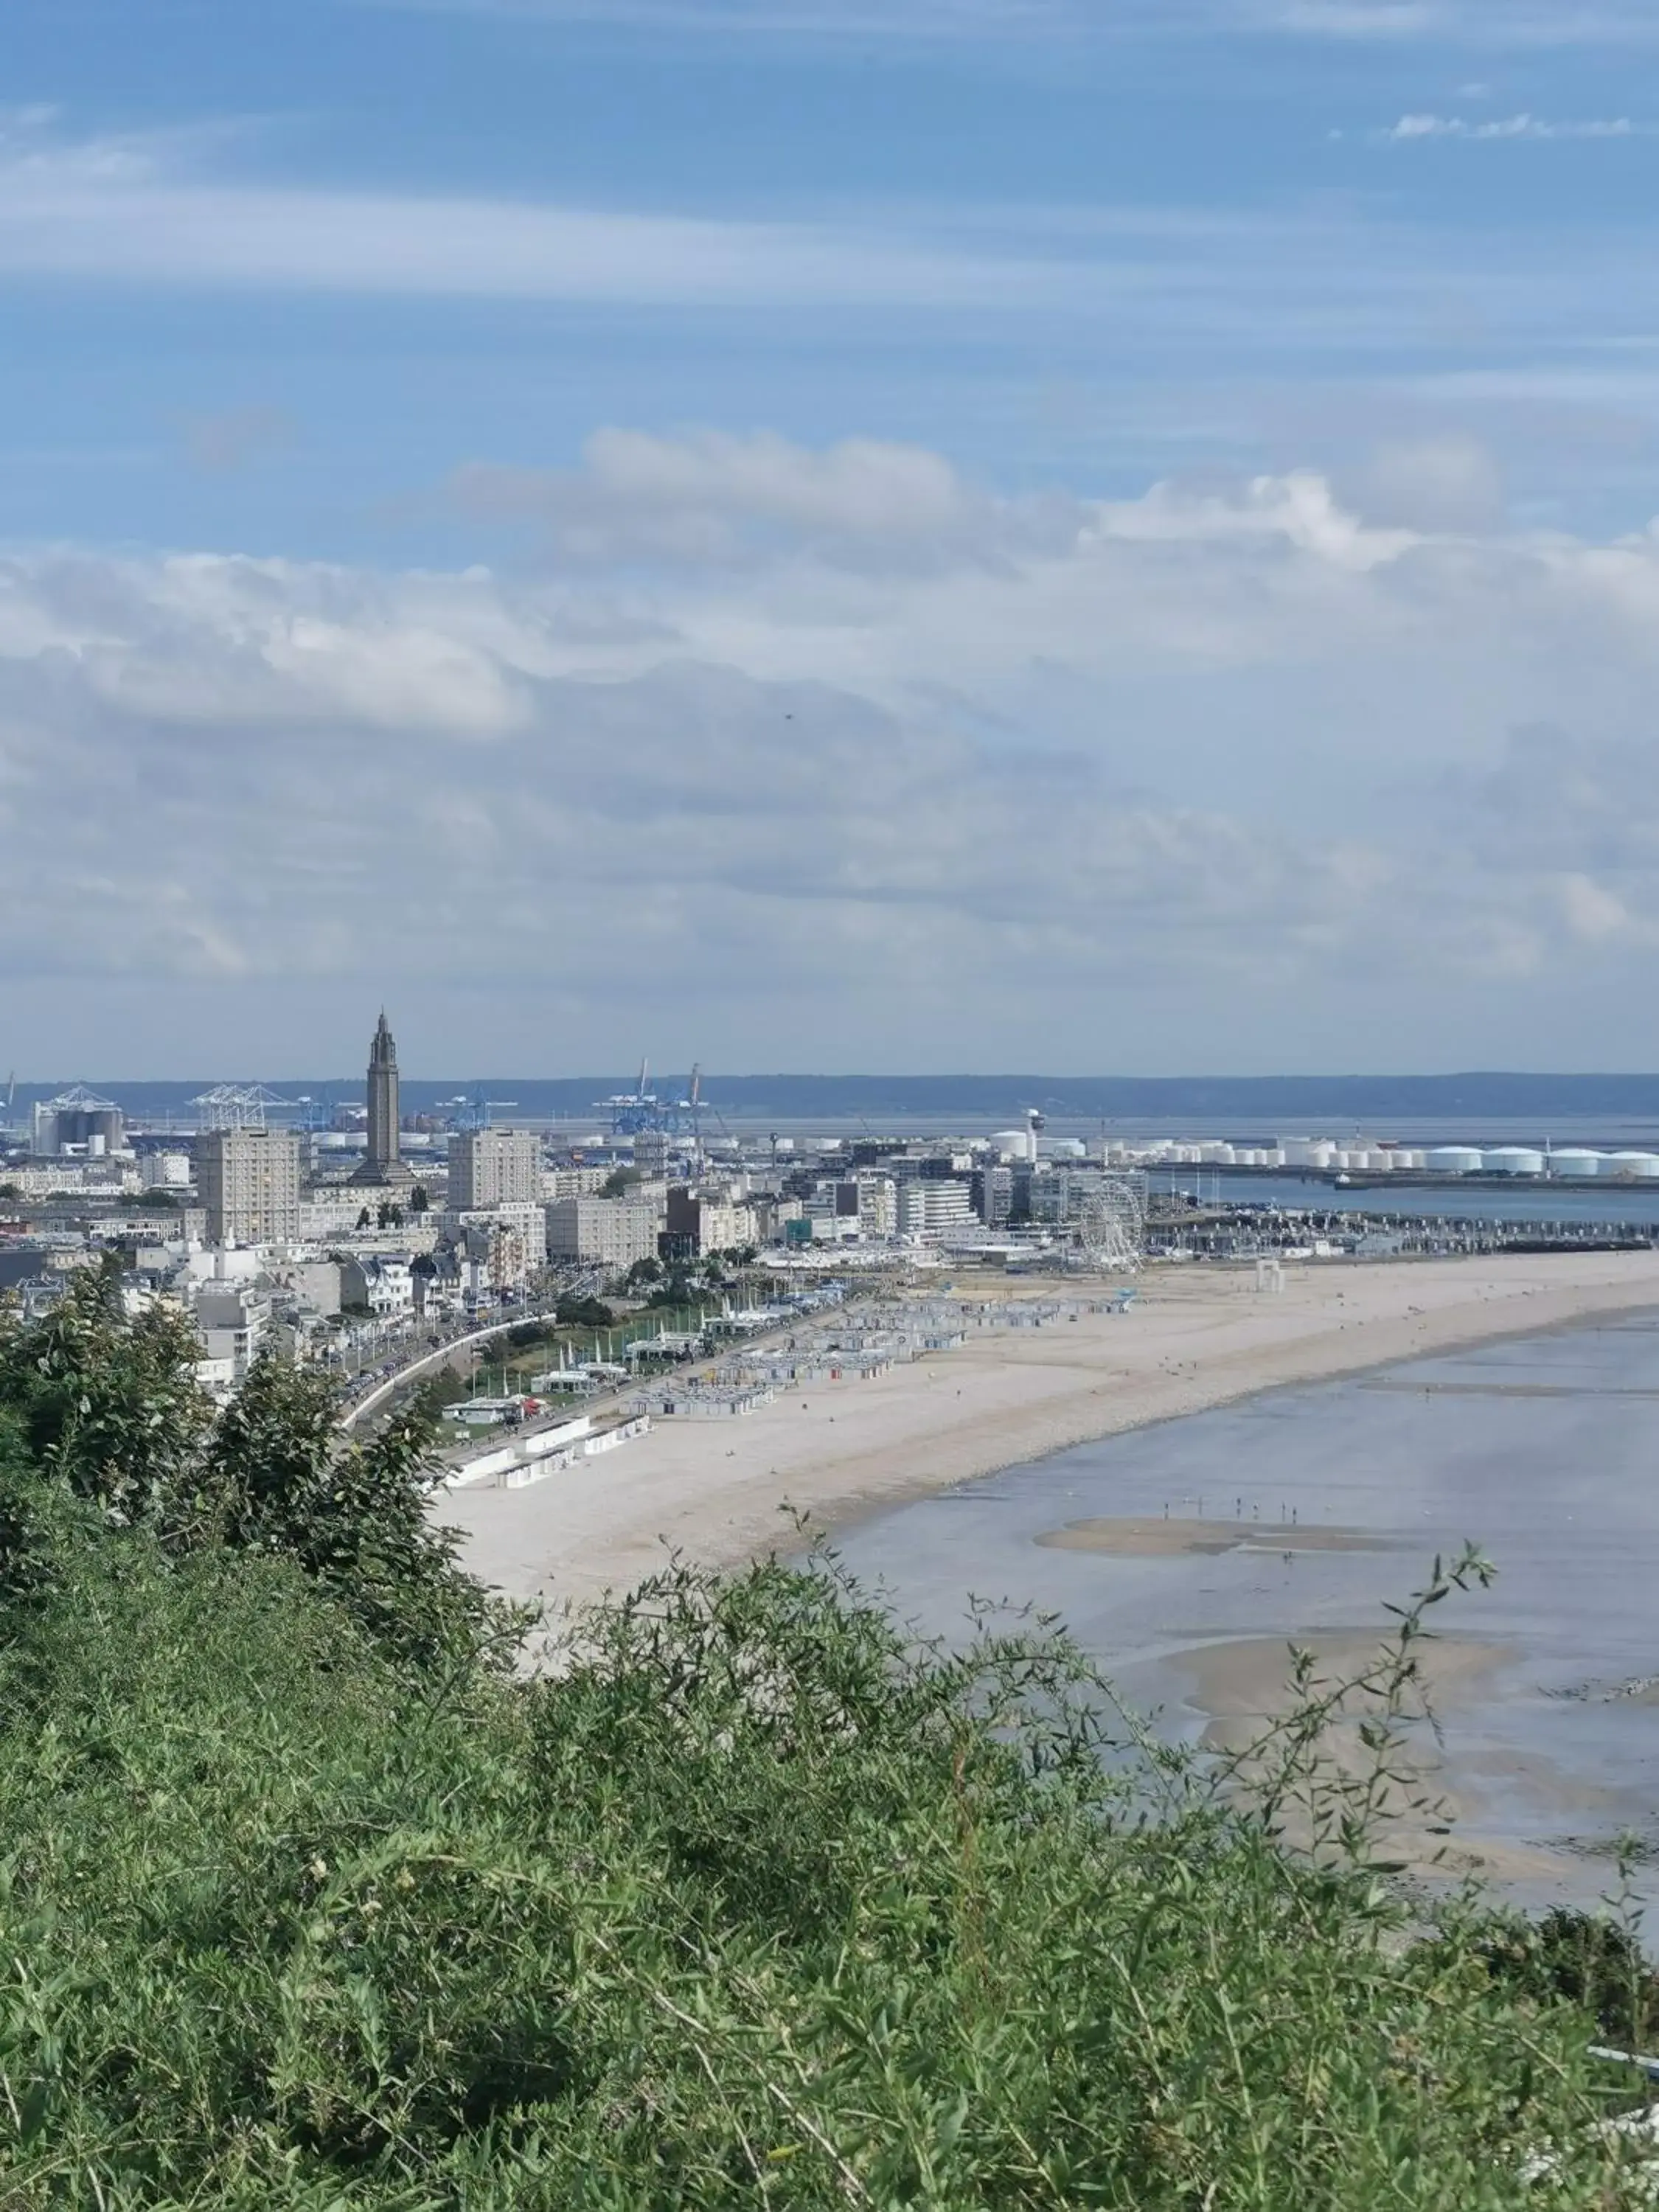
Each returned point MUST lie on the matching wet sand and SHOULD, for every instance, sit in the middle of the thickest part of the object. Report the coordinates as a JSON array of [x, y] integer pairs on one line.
[[1142, 1538], [1434, 1816]]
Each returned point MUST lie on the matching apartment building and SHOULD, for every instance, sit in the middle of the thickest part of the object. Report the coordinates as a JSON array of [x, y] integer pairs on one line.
[[494, 1167], [249, 1184], [614, 1232]]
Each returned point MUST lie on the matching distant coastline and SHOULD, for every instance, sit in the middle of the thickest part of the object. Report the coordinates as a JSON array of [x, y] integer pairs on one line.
[[1470, 1100]]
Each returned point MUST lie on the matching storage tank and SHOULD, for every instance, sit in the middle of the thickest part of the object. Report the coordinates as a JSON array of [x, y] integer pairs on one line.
[[1069, 1148], [1635, 1167], [1453, 1159], [1574, 1164], [1513, 1160], [1014, 1144]]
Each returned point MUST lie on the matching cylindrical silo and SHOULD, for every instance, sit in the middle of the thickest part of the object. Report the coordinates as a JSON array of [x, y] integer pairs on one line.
[[1513, 1160]]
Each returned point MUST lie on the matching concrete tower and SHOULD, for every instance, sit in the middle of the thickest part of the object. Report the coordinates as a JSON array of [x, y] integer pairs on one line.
[[383, 1167]]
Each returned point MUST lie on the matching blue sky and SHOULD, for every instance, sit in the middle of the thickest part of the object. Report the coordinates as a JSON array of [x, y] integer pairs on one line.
[[1235, 420]]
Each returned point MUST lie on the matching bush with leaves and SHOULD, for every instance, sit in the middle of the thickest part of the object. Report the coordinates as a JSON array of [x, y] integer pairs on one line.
[[751, 1903], [109, 1404], [105, 1407]]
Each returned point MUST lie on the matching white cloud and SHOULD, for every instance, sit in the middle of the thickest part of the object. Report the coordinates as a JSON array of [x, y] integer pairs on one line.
[[1193, 755], [1447, 484], [1412, 128], [145, 210], [714, 498]]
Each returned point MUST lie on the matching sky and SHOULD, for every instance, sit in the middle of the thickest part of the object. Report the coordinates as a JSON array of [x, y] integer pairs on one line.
[[1088, 536]]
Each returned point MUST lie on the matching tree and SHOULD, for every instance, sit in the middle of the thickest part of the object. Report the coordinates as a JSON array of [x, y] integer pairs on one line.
[[364, 1219], [351, 1512], [420, 1200], [104, 1409], [619, 1181], [644, 1271], [109, 1405]]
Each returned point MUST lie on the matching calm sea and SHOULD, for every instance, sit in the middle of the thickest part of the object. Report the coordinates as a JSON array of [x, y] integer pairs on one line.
[[1543, 1450]]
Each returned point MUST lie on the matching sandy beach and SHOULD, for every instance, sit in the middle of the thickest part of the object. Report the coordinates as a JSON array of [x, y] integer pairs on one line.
[[718, 1491]]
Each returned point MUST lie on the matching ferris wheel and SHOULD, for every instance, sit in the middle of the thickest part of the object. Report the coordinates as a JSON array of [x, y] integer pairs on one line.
[[1107, 1233]]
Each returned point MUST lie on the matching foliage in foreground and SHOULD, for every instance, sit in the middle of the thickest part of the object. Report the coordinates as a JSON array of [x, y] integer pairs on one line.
[[107, 1409], [753, 1904]]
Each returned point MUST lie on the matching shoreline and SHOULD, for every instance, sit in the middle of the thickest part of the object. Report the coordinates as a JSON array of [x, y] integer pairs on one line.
[[718, 1492]]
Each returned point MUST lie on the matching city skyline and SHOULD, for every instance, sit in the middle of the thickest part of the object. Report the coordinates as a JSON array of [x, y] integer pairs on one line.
[[961, 535]]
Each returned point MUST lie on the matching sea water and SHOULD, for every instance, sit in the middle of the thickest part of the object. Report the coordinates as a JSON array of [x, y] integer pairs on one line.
[[1542, 1450]]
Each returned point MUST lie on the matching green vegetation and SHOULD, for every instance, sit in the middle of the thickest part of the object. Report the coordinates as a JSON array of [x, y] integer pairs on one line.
[[308, 1902]]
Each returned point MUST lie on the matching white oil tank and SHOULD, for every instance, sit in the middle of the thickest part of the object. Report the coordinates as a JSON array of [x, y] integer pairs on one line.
[[1453, 1159], [1575, 1165], [1513, 1160], [1014, 1144], [1634, 1167]]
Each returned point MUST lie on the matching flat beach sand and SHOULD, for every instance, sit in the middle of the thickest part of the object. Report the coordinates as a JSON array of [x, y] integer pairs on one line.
[[718, 1490]]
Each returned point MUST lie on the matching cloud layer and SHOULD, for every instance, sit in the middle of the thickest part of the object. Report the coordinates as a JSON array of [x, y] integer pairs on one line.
[[862, 761]]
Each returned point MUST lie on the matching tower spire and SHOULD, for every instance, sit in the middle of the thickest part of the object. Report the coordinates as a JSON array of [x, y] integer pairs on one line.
[[383, 1164]]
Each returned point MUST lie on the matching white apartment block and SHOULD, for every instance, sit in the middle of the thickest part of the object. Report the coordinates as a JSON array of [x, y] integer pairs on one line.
[[495, 1167], [573, 1182], [231, 1321], [611, 1230], [926, 1208], [249, 1184], [381, 1282], [877, 1205], [525, 1220], [724, 1228]]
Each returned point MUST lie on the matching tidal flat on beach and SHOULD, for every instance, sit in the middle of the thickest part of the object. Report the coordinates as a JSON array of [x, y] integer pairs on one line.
[[1540, 1449], [1136, 1536]]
